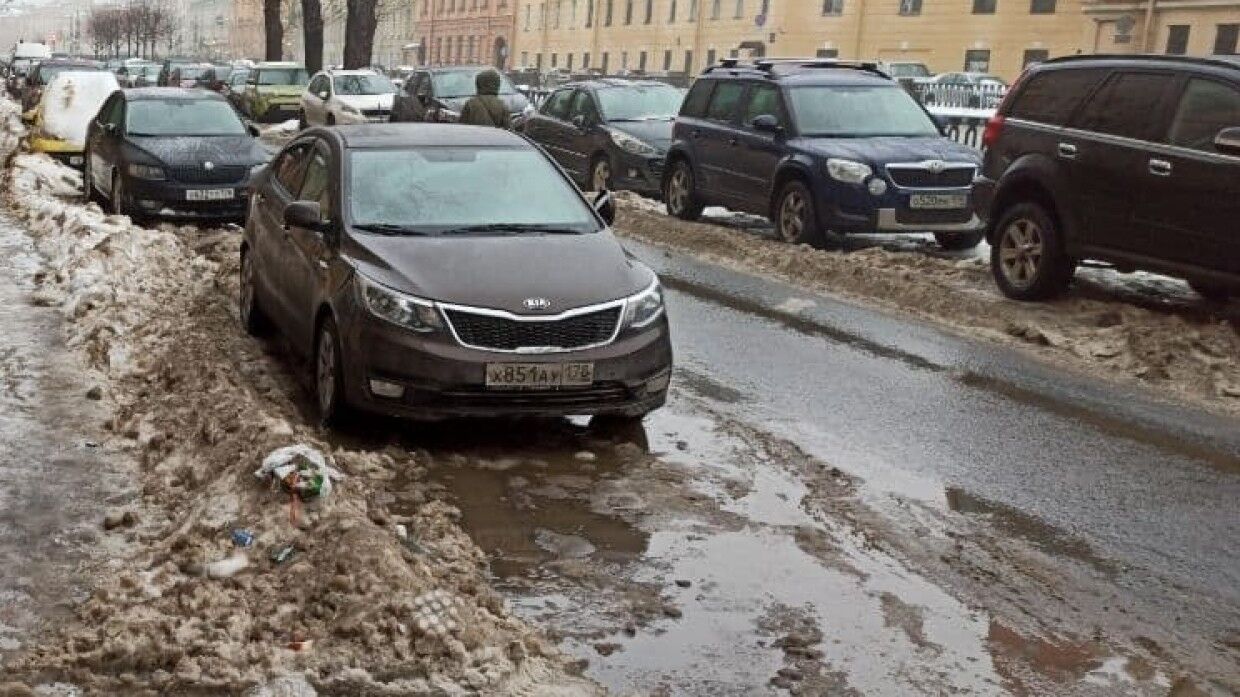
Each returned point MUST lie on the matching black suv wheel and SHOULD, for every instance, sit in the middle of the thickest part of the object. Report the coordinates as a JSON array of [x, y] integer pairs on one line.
[[1027, 258], [679, 193], [796, 220]]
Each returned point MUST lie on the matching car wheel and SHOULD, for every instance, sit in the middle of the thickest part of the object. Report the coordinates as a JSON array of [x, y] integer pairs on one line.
[[679, 194], [253, 318], [796, 219], [600, 173], [1211, 291], [1028, 259], [958, 241], [329, 375]]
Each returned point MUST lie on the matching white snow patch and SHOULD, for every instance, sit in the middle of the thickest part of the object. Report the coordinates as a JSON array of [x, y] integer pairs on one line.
[[72, 100]]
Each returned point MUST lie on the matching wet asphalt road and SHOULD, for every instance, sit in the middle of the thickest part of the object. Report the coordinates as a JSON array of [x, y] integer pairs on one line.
[[919, 413]]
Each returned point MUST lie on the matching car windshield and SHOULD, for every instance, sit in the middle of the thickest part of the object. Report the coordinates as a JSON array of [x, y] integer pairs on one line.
[[363, 84], [908, 70], [192, 73], [460, 83], [183, 117], [283, 76], [222, 72], [150, 70], [436, 189], [640, 102], [238, 77], [859, 112]]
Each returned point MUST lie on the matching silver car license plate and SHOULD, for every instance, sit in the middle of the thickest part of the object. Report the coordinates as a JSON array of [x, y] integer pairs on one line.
[[209, 194], [539, 376], [75, 159], [938, 202]]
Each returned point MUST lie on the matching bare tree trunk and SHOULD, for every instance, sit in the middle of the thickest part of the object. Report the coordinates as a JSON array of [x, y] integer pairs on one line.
[[312, 34], [359, 33], [275, 30]]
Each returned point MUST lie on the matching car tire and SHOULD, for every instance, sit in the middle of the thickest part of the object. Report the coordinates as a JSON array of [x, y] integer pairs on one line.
[[329, 375], [600, 173], [253, 318], [959, 241], [679, 193], [1028, 258], [1212, 291], [796, 218]]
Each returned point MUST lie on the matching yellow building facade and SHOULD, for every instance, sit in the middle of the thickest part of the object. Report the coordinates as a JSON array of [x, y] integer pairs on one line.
[[998, 36]]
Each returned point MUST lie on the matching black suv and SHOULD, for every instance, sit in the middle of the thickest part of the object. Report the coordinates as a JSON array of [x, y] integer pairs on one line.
[[823, 148], [609, 133], [1131, 160]]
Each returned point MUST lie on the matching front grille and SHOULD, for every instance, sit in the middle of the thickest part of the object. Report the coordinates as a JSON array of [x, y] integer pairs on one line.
[[376, 112], [913, 216], [197, 174], [920, 177], [503, 334], [594, 396], [656, 167]]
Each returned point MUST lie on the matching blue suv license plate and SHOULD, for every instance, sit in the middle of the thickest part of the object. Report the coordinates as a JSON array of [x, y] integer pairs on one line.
[[938, 202]]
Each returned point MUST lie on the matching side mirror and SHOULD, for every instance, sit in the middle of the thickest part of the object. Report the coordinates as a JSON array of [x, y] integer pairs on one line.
[[108, 128], [766, 123], [253, 129], [605, 206], [1228, 141], [304, 214]]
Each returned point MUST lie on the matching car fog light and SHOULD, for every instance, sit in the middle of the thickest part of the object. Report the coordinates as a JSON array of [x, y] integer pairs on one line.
[[877, 186], [632, 173], [659, 383], [383, 388], [147, 203]]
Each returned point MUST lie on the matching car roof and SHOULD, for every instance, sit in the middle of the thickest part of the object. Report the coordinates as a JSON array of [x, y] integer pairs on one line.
[[278, 64], [354, 71], [801, 71], [460, 68], [606, 82], [136, 94], [1115, 61], [420, 135], [71, 62]]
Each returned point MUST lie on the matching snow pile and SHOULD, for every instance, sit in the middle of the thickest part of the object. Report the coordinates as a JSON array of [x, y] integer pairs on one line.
[[72, 100], [290, 126], [1191, 349], [330, 596]]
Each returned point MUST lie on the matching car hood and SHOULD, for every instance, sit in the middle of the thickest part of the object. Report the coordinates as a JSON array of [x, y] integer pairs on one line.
[[193, 150], [656, 133], [516, 103], [367, 101], [500, 272], [885, 150]]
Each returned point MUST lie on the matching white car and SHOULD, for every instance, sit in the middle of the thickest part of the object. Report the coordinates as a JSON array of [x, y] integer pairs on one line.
[[347, 96]]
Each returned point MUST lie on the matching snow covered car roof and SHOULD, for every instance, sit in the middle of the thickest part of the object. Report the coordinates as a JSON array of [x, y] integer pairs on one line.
[[71, 101]]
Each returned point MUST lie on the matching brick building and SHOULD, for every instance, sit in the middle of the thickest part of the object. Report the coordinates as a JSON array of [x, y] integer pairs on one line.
[[463, 31]]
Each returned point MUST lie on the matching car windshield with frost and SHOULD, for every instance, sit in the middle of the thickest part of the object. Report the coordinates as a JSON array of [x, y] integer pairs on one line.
[[183, 117], [859, 112], [640, 102], [435, 191], [351, 85]]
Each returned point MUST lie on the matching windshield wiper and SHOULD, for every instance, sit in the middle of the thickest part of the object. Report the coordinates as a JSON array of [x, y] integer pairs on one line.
[[512, 228], [388, 229]]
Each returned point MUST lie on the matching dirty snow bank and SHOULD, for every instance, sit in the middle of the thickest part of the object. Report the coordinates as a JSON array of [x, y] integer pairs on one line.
[[355, 609], [1192, 352]]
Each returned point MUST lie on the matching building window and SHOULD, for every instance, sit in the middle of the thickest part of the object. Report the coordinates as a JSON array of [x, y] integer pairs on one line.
[[688, 62], [628, 11], [667, 61], [671, 16], [572, 20], [649, 11], [606, 60], [910, 7], [827, 53], [1034, 56], [559, 7], [641, 61], [715, 8], [693, 10], [833, 7], [529, 10], [984, 7], [568, 61], [538, 61], [555, 59], [740, 9], [710, 57], [585, 61], [624, 61], [525, 59], [977, 61], [589, 13], [607, 16], [1041, 7], [1177, 39], [1226, 39]]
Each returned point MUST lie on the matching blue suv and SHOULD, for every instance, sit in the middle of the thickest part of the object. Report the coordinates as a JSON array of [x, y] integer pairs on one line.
[[823, 148]]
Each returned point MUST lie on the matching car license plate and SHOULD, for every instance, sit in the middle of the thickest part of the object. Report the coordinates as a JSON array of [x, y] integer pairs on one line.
[[539, 376], [209, 194], [75, 159], [939, 201]]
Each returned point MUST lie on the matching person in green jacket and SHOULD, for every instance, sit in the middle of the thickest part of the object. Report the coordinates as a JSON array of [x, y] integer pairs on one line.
[[486, 108]]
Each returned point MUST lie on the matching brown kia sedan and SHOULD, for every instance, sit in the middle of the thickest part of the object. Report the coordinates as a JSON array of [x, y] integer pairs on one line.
[[433, 271]]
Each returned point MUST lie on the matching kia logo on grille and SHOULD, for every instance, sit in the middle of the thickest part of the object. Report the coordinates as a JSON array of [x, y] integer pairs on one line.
[[208, 165], [936, 166], [536, 303]]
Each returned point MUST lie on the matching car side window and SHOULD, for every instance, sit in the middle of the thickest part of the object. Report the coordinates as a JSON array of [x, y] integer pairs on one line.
[[1052, 97], [106, 112], [289, 167], [583, 106], [695, 102], [725, 102], [316, 186], [558, 103], [763, 100], [1126, 105], [1205, 108]]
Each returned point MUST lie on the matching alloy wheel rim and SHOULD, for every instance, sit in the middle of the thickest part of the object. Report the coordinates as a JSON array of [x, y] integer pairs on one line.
[[678, 191], [326, 371], [602, 175], [1020, 252], [792, 217]]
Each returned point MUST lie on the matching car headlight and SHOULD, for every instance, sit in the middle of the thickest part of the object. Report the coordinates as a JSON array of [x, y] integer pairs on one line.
[[644, 308], [449, 115], [145, 171], [848, 171], [630, 144], [405, 310]]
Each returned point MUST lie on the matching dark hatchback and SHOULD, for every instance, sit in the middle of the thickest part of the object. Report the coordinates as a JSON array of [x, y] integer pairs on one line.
[[822, 147], [609, 133], [170, 152], [1130, 160], [439, 95], [435, 271]]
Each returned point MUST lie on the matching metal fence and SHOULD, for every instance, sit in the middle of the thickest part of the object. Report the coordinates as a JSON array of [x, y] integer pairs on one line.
[[985, 95]]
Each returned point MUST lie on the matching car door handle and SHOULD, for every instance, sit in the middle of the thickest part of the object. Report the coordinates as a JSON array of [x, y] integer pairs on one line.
[[1160, 168], [1067, 151]]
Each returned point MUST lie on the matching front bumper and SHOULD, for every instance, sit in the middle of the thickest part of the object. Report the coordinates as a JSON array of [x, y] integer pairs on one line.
[[275, 112], [168, 199], [638, 173], [442, 379], [349, 118], [57, 149], [849, 208]]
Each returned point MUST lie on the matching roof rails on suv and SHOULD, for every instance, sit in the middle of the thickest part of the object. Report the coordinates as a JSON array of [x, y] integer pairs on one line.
[[1222, 61], [774, 67]]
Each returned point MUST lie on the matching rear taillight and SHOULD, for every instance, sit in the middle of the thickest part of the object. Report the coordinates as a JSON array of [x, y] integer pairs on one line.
[[994, 129]]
